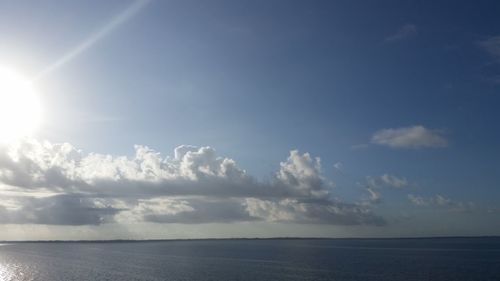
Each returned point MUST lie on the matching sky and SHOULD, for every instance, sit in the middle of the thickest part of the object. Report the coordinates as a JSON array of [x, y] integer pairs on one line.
[[195, 119]]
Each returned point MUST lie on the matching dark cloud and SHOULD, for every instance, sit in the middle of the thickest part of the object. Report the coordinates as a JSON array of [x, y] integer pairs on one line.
[[56, 210], [203, 211]]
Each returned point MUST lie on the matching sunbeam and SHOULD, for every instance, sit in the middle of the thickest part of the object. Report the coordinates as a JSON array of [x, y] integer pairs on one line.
[[118, 20]]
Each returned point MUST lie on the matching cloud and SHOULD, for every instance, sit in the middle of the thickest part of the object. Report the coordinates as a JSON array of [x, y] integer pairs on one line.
[[373, 186], [64, 209], [491, 70], [410, 137], [440, 201], [492, 46], [374, 195], [302, 174], [187, 211], [294, 210], [404, 32], [338, 167], [46, 183], [393, 181], [387, 180]]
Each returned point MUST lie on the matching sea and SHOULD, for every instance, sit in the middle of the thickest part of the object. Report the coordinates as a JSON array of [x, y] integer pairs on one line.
[[440, 259]]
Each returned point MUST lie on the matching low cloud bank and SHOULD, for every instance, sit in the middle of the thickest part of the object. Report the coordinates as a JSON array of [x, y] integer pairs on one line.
[[46, 183]]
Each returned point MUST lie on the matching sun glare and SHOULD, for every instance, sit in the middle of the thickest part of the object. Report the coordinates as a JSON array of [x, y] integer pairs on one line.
[[20, 110]]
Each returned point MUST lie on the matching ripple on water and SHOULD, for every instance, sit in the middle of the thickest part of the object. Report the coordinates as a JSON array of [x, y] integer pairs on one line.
[[388, 260]]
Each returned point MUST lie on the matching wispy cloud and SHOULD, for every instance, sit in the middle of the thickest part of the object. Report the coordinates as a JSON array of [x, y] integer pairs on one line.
[[491, 71], [374, 195], [374, 185], [394, 181], [439, 201], [410, 137], [404, 32], [492, 46], [339, 167], [387, 180]]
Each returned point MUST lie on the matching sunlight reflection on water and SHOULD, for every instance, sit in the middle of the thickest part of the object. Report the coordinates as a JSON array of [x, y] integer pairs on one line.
[[5, 273], [379, 260]]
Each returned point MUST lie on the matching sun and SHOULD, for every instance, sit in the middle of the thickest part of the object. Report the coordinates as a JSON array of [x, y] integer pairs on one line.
[[20, 108]]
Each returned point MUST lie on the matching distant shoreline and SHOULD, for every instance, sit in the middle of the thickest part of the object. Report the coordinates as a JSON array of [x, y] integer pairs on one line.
[[255, 238]]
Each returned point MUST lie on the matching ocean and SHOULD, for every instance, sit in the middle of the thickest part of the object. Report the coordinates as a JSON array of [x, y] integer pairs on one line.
[[453, 259]]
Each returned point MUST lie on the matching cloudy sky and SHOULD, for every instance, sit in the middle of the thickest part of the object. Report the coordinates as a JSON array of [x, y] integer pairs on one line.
[[188, 119]]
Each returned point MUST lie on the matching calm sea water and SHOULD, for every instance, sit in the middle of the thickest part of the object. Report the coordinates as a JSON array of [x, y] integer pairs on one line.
[[454, 259]]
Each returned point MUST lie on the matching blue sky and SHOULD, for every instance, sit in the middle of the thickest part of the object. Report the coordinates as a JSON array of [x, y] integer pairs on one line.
[[397, 98]]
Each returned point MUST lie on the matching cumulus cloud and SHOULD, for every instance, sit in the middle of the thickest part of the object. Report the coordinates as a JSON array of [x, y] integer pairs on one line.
[[441, 202], [404, 32], [410, 137], [302, 174], [59, 184]]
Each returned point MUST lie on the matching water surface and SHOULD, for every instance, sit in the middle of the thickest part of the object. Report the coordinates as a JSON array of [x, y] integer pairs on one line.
[[292, 259]]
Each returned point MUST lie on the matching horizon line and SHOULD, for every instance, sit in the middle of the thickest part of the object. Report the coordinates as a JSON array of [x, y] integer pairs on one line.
[[244, 238]]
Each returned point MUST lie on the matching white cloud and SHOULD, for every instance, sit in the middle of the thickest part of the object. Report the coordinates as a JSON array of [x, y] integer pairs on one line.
[[440, 201], [410, 137], [302, 173], [374, 195], [195, 186], [386, 180], [404, 32], [393, 181], [373, 186], [418, 200], [339, 166]]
